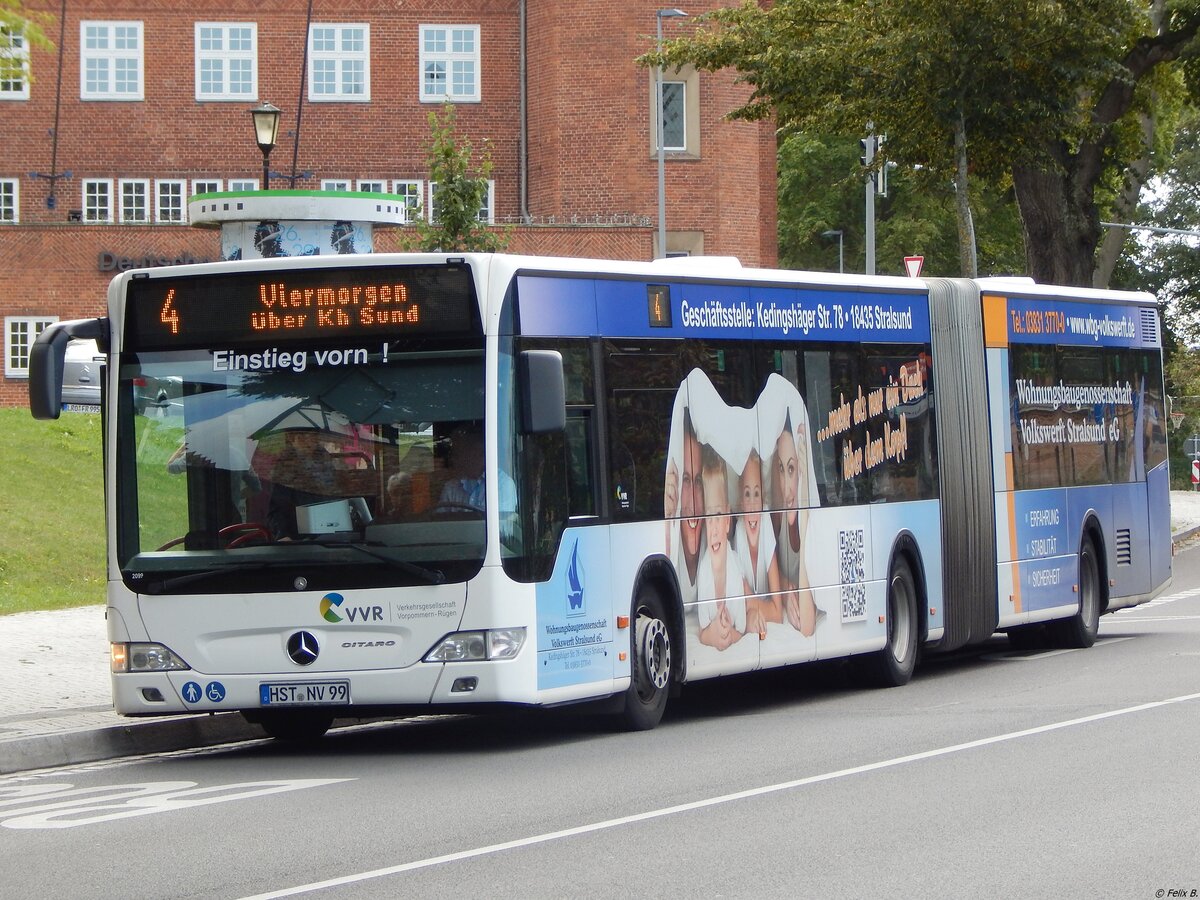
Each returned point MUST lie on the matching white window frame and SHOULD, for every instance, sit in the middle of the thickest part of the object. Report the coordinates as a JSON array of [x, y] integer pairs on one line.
[[372, 185], [168, 191], [32, 327], [335, 184], [487, 212], [14, 64], [413, 192], [10, 201], [450, 60], [203, 185], [89, 212], [340, 60], [223, 57], [130, 214], [114, 58], [243, 184]]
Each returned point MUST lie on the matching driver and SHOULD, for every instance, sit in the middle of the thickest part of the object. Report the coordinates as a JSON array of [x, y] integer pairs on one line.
[[466, 488]]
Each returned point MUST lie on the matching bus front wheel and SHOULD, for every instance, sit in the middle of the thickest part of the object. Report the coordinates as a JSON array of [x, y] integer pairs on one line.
[[1079, 631], [293, 726], [893, 665], [646, 698]]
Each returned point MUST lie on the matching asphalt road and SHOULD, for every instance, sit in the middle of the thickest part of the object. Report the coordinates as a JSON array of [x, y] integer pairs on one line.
[[993, 774]]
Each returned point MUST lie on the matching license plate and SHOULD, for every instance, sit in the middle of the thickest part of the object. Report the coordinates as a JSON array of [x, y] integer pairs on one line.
[[304, 693], [80, 407]]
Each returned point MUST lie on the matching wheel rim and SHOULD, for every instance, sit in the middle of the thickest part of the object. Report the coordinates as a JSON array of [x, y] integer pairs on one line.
[[654, 656], [900, 626]]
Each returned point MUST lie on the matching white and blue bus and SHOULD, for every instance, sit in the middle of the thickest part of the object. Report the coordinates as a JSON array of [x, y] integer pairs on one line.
[[348, 487]]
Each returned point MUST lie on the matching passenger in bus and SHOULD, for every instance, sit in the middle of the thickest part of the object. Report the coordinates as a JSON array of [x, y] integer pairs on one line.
[[410, 491], [720, 584], [304, 472], [755, 547], [466, 488]]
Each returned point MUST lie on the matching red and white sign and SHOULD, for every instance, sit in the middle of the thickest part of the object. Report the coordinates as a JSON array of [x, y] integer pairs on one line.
[[1196, 471], [912, 265]]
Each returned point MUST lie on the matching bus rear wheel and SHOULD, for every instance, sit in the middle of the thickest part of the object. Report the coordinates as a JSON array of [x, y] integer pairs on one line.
[[893, 665], [646, 698], [1079, 631]]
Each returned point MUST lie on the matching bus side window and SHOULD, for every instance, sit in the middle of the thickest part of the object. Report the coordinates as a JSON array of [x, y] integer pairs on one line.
[[581, 481]]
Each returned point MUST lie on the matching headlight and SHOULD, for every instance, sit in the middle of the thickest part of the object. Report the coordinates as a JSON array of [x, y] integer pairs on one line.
[[464, 646], [145, 658]]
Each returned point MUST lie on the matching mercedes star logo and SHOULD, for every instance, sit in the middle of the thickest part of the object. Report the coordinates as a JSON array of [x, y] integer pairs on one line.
[[302, 647]]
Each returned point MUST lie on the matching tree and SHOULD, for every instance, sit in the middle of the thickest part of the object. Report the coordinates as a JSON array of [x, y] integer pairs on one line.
[[30, 24], [460, 192], [1028, 92]]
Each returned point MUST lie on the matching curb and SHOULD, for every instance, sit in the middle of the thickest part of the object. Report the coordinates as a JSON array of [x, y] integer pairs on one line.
[[131, 738]]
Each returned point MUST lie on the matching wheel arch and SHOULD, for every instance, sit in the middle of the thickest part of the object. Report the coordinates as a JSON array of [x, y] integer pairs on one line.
[[905, 546], [657, 573], [1091, 528]]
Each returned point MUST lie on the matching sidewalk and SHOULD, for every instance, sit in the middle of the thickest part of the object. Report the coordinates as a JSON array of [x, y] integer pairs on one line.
[[56, 709]]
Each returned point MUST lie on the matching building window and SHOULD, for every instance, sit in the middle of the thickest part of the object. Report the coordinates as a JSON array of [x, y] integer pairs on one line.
[[680, 113], [206, 186], [226, 60], [14, 65], [487, 212], [169, 207], [243, 184], [372, 187], [110, 65], [19, 334], [334, 184], [411, 192], [97, 200], [10, 200], [339, 63], [449, 60], [674, 112], [135, 200]]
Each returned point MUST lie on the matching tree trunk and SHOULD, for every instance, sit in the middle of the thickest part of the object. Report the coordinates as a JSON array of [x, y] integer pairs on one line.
[[967, 256], [1124, 207], [1060, 224]]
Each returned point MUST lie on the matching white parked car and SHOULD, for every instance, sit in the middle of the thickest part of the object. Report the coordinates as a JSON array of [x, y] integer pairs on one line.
[[81, 376]]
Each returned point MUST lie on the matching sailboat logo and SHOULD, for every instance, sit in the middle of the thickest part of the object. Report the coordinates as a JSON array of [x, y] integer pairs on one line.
[[575, 584]]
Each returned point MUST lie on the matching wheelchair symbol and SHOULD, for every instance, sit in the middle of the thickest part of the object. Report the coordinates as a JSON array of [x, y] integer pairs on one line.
[[215, 691]]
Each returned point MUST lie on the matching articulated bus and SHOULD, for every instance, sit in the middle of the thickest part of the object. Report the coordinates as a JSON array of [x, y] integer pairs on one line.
[[351, 487]]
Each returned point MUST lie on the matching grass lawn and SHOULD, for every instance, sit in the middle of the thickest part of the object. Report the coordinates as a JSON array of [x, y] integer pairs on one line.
[[52, 537]]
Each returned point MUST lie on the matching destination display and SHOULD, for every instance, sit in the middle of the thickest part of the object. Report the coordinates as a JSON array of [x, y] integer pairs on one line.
[[299, 303]]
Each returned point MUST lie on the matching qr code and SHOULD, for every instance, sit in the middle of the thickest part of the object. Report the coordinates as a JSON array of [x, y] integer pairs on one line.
[[852, 564]]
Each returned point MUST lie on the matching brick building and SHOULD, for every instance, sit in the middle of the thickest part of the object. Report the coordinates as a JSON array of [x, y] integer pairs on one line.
[[152, 105]]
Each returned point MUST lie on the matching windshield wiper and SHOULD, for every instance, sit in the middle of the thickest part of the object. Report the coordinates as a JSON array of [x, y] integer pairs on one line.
[[169, 584], [432, 576]]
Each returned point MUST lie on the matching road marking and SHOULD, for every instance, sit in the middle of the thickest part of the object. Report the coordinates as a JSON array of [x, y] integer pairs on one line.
[[712, 801], [66, 806], [1025, 655]]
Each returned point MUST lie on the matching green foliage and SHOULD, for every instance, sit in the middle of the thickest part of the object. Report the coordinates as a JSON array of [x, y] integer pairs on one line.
[[462, 190], [821, 189], [31, 24], [52, 543], [1026, 86]]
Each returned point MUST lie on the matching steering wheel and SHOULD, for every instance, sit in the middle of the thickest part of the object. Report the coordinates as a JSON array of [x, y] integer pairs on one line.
[[245, 532], [169, 544], [452, 509]]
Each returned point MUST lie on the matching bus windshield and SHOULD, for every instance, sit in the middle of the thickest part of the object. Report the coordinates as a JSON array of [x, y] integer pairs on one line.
[[249, 473]]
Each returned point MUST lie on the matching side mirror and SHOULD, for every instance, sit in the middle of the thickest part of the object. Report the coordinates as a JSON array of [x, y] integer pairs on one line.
[[47, 359], [542, 390]]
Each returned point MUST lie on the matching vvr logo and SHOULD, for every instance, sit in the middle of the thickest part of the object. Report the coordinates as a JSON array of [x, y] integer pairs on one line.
[[332, 603], [575, 576]]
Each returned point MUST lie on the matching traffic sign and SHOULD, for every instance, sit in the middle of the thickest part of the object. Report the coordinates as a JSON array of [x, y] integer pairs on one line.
[[1196, 471], [912, 265]]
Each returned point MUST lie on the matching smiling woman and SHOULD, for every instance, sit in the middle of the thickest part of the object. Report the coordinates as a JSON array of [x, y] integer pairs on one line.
[[52, 546]]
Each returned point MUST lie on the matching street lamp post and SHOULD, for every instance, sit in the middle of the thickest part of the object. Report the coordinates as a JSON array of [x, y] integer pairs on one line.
[[837, 233], [266, 128], [659, 128]]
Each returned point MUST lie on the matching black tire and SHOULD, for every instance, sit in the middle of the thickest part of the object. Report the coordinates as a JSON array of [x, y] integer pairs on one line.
[[294, 726], [651, 662], [1079, 631], [893, 665]]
